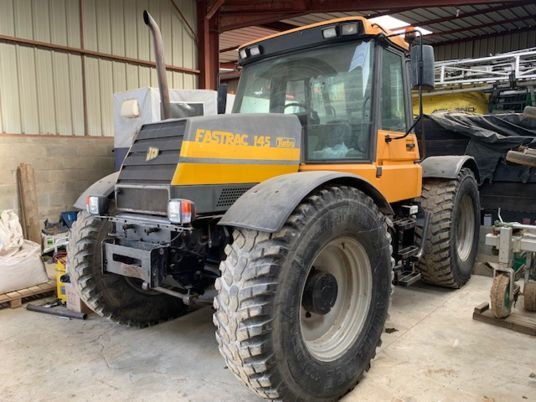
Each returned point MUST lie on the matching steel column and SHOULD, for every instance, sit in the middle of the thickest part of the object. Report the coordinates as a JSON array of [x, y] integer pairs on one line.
[[208, 52]]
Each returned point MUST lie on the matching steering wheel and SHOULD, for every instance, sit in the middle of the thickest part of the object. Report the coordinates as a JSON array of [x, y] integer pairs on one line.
[[297, 104], [310, 113]]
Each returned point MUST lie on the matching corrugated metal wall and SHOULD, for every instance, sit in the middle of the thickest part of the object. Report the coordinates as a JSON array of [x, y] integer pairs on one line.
[[488, 46], [41, 90]]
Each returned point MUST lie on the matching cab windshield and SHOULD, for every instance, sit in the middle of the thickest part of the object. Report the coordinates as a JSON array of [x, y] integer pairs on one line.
[[329, 89]]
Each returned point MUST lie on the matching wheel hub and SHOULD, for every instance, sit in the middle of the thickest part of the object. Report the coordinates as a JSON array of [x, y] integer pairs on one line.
[[336, 297], [320, 293]]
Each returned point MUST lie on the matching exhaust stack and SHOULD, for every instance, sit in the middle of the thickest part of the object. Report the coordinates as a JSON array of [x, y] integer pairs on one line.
[[160, 64]]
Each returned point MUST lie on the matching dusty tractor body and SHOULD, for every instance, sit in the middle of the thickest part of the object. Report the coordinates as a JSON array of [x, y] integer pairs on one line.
[[297, 211]]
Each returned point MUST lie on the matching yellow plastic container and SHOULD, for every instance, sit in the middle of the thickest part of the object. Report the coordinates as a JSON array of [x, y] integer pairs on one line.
[[60, 286], [474, 102]]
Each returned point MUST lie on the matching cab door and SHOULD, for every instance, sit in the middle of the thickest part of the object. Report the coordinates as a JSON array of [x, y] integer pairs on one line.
[[396, 158]]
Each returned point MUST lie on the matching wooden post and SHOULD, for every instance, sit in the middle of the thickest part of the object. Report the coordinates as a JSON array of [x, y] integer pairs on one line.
[[28, 203]]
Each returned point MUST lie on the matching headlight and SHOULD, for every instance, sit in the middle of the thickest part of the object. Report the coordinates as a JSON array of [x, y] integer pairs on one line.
[[255, 51], [329, 33], [180, 211], [349, 29], [96, 205], [243, 53]]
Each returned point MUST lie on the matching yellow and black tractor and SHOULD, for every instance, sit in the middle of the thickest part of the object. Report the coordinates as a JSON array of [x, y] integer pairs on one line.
[[294, 214]]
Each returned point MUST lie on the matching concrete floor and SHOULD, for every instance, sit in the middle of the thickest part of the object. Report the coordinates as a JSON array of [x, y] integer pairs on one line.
[[438, 353]]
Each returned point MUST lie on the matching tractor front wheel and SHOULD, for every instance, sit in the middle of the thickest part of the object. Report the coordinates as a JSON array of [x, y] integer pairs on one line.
[[300, 312], [112, 296]]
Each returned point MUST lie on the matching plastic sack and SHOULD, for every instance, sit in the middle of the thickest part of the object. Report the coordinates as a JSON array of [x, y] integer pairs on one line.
[[11, 238], [22, 268]]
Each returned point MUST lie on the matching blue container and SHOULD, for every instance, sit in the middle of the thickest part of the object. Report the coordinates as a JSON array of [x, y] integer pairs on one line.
[[68, 217]]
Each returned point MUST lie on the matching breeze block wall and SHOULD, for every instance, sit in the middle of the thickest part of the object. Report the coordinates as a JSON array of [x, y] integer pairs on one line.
[[64, 167]]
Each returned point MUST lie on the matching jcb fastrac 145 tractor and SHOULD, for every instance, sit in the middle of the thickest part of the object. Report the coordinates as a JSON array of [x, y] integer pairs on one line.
[[311, 197]]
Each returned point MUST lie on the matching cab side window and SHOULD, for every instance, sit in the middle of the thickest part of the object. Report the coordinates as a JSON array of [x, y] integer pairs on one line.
[[393, 105]]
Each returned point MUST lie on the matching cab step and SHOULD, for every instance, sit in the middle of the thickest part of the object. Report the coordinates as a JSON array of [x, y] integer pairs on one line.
[[409, 279]]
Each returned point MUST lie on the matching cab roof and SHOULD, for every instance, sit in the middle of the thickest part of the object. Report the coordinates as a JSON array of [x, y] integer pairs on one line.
[[367, 29]]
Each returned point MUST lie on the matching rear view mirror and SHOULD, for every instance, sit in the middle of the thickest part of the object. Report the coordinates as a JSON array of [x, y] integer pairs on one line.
[[222, 98], [422, 77]]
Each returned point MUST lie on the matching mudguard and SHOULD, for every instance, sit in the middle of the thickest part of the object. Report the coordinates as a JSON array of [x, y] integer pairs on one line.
[[448, 167], [267, 206], [104, 187]]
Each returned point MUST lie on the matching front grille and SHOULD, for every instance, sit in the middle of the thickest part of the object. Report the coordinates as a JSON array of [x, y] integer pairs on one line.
[[151, 200], [143, 185], [229, 195], [164, 137]]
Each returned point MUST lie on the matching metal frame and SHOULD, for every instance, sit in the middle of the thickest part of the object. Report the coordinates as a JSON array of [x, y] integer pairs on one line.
[[518, 66], [142, 187], [509, 243]]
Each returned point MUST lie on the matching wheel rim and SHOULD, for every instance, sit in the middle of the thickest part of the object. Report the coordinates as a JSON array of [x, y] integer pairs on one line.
[[328, 336], [465, 232]]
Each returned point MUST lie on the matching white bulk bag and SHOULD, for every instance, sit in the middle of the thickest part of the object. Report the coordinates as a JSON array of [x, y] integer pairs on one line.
[[22, 269], [20, 260], [10, 232]]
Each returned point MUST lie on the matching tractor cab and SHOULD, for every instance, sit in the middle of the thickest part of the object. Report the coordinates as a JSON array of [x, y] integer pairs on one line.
[[325, 75], [349, 83]]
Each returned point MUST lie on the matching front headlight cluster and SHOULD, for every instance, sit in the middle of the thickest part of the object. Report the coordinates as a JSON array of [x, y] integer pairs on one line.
[[96, 205], [180, 211]]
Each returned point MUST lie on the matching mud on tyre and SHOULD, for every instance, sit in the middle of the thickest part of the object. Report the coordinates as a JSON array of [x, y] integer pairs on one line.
[[112, 296], [452, 243], [300, 312]]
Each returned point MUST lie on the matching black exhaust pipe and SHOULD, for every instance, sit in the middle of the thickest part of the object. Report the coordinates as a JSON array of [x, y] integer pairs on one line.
[[160, 64]]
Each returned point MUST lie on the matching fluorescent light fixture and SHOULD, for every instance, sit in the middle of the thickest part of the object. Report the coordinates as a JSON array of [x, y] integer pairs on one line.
[[388, 22], [395, 24]]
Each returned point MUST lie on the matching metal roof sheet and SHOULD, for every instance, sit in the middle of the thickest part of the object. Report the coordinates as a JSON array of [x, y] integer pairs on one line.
[[448, 24]]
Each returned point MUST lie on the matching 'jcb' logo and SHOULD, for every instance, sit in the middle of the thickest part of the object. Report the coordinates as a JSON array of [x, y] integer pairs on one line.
[[152, 153]]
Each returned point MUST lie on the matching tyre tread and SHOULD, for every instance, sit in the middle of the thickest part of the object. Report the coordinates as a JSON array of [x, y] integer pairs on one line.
[[243, 318], [438, 196]]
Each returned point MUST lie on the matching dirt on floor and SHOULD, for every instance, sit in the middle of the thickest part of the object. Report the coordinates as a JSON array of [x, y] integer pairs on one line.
[[433, 351]]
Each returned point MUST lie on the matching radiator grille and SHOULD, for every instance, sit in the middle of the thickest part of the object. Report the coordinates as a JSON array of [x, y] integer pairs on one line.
[[148, 200], [143, 185], [229, 195], [166, 138]]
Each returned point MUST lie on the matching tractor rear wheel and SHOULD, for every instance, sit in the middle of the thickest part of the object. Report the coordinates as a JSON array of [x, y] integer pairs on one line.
[[118, 298], [452, 242], [299, 313]]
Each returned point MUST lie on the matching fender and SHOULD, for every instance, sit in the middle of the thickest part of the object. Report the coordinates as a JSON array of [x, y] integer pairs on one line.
[[448, 167], [104, 187], [267, 206]]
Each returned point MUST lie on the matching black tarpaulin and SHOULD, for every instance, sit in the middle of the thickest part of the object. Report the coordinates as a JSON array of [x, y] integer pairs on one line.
[[490, 136]]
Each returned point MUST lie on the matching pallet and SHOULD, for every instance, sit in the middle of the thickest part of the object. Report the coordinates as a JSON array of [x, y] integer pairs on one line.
[[524, 323], [14, 299]]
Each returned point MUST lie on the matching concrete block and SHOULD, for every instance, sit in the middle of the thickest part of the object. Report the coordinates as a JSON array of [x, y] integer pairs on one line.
[[8, 202]]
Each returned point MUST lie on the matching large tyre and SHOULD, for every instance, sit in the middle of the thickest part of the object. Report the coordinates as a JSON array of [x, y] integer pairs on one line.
[[112, 296], [273, 325], [452, 243]]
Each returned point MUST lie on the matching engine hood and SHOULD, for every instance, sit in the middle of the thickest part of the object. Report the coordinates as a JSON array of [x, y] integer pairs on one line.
[[238, 148], [211, 160]]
